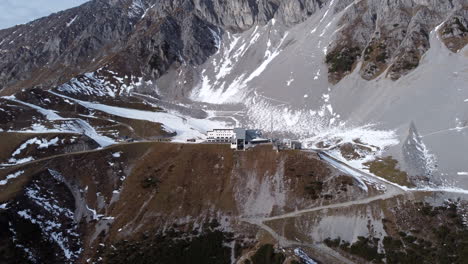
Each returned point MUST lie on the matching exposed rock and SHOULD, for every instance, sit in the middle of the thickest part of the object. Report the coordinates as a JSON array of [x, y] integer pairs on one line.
[[454, 32], [145, 38], [135, 38], [394, 34], [40, 222]]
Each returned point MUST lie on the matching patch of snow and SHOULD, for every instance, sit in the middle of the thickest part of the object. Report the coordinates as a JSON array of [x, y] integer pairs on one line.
[[49, 114], [215, 91], [83, 127], [185, 127], [136, 8], [13, 161], [47, 203], [72, 21], [304, 123], [303, 256], [50, 226], [95, 215], [90, 84], [462, 173], [270, 56], [216, 38], [116, 154], [317, 75], [377, 140], [355, 174], [46, 144], [93, 83], [326, 98], [227, 64], [42, 144], [24, 146], [207, 92], [146, 11]]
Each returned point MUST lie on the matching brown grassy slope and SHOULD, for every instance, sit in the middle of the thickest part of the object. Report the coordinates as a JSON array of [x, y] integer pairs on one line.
[[183, 179], [10, 141], [67, 142], [163, 183], [202, 180]]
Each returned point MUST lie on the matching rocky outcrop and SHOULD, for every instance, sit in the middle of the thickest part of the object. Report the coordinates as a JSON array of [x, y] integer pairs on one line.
[[51, 50], [148, 37], [454, 32], [40, 223], [132, 37], [392, 36]]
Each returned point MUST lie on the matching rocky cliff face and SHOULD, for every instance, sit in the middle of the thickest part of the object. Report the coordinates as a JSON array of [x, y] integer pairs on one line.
[[390, 36], [141, 37], [146, 37], [49, 51]]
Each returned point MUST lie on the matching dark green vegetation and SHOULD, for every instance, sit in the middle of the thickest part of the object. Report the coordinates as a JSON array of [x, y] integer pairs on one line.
[[377, 51], [341, 61], [266, 255], [150, 182], [382, 57], [24, 224], [313, 189], [441, 237], [366, 248], [405, 63], [456, 24], [387, 168], [353, 151], [409, 65], [310, 177], [9, 252], [174, 246]]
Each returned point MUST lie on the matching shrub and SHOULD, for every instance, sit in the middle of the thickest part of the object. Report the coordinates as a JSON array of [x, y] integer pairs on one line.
[[343, 60], [150, 182], [266, 255]]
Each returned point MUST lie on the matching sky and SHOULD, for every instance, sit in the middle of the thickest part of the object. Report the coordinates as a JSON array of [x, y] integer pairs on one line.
[[13, 12]]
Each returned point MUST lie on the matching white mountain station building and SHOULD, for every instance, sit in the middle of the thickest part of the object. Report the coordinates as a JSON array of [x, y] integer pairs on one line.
[[239, 138], [220, 135]]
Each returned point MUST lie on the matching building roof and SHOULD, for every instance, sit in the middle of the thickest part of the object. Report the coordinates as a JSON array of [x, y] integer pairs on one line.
[[240, 133], [252, 134]]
